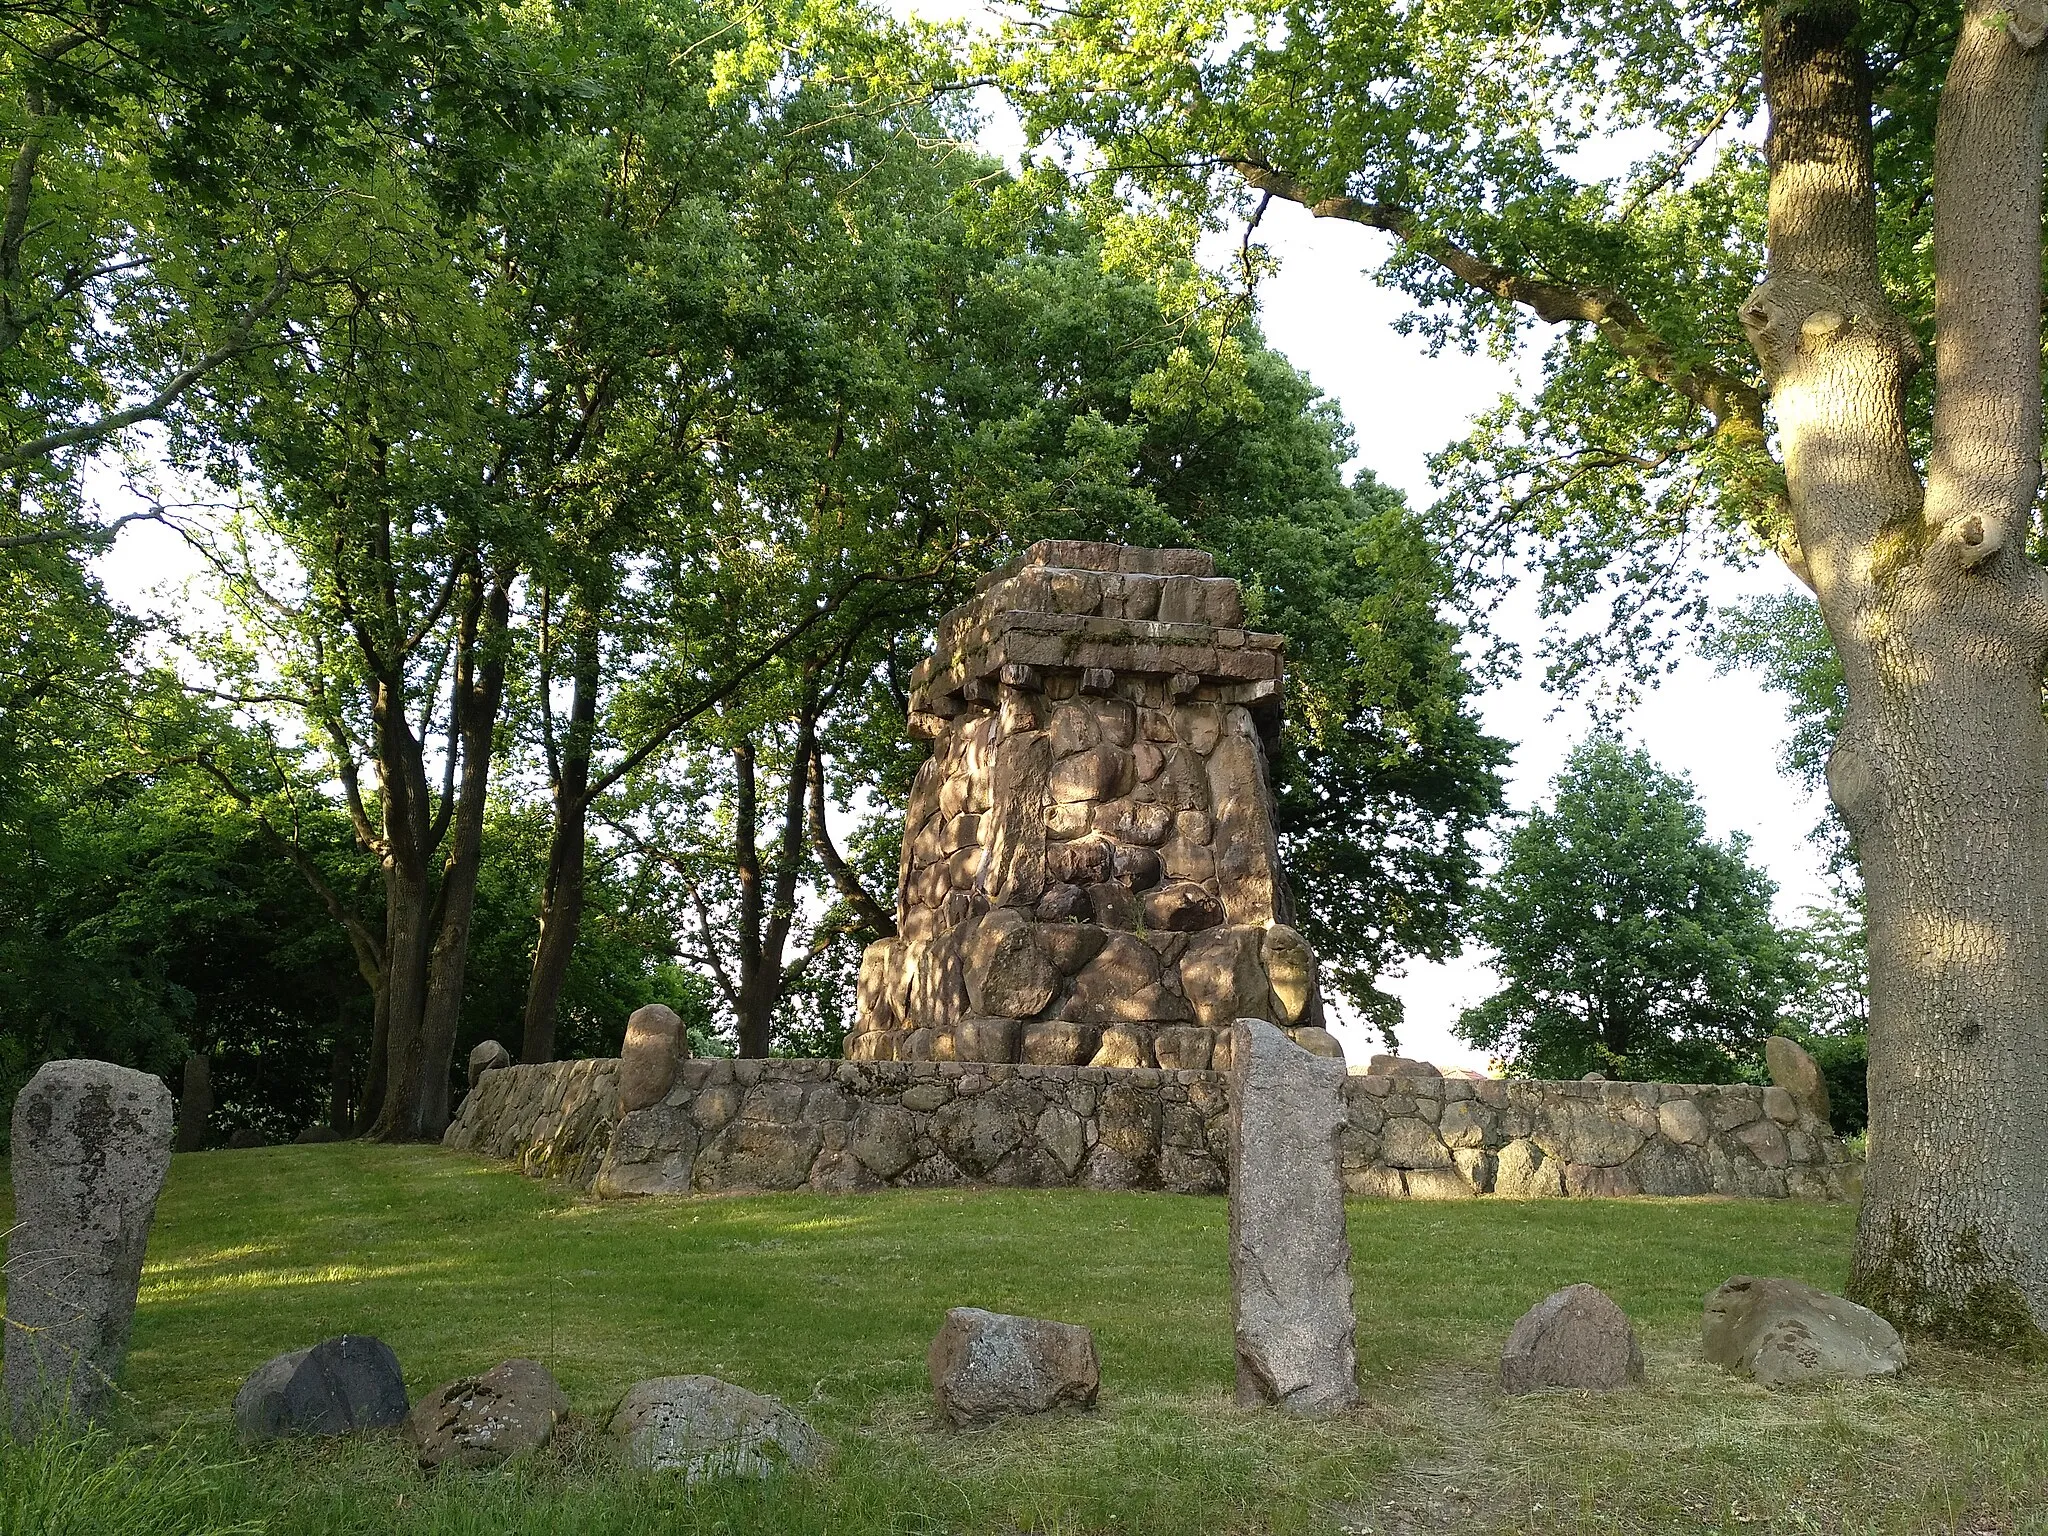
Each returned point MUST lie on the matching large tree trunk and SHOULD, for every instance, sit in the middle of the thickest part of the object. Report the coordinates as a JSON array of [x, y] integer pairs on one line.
[[561, 899], [479, 690], [768, 910], [1937, 613]]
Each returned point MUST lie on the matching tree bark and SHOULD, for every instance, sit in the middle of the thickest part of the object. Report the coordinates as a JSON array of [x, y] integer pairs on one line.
[[479, 691], [561, 900], [1939, 618], [767, 906]]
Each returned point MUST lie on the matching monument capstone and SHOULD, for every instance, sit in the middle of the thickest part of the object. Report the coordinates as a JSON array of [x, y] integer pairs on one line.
[[1090, 874]]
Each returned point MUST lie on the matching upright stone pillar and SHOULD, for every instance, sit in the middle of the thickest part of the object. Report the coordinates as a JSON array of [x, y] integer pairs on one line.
[[92, 1143], [1290, 1261], [1090, 872]]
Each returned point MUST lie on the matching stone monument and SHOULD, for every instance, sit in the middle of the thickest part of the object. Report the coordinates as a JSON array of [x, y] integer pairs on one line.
[[1290, 1259], [1090, 873], [92, 1143]]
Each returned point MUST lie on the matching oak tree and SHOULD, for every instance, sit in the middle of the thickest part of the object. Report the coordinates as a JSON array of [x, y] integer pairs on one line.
[[1827, 346]]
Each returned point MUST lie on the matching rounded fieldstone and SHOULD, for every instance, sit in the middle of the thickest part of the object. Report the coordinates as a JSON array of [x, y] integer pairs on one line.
[[706, 1428], [336, 1387], [481, 1421]]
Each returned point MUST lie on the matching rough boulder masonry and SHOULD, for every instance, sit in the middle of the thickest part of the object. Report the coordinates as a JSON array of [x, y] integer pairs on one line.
[[845, 1126], [1090, 874]]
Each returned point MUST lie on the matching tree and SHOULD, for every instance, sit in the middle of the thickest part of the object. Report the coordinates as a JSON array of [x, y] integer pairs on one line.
[[1631, 943], [159, 159], [1739, 362]]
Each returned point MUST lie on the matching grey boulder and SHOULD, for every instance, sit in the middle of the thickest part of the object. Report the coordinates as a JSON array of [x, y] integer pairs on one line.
[[480, 1421], [92, 1143], [488, 1056], [1784, 1331], [1576, 1337], [989, 1365], [334, 1388], [706, 1428]]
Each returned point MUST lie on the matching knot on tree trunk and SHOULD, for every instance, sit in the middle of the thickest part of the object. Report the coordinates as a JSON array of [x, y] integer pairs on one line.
[[1855, 782], [1792, 317], [2026, 22]]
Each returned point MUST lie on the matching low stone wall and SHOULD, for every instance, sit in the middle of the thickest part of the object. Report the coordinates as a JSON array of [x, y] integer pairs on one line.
[[842, 1127]]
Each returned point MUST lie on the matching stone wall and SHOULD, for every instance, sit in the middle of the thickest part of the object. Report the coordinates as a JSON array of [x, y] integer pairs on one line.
[[842, 1127]]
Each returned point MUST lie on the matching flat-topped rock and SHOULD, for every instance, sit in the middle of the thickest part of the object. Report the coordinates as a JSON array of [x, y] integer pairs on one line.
[[1780, 1331], [706, 1428]]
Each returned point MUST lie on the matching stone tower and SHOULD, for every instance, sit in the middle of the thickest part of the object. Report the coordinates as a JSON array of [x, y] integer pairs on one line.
[[1089, 872]]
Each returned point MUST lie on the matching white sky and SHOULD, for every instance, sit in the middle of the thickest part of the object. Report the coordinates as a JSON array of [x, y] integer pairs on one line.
[[1332, 323], [1726, 732]]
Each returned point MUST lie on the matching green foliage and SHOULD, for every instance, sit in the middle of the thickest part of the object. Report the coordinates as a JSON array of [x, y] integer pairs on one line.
[[1630, 942], [1487, 142]]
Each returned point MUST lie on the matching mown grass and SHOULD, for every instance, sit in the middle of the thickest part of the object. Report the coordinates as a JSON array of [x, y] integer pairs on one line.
[[829, 1304]]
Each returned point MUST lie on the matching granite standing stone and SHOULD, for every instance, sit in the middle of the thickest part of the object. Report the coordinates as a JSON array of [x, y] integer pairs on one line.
[[1793, 1070], [1290, 1262], [655, 1041], [1576, 1337], [989, 1365], [1783, 1331], [92, 1143], [705, 1428], [338, 1386]]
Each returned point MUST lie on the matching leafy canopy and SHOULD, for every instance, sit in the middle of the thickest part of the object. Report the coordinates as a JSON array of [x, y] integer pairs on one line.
[[1631, 943]]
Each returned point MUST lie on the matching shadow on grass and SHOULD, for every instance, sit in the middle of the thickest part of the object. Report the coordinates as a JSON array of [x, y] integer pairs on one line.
[[829, 1303]]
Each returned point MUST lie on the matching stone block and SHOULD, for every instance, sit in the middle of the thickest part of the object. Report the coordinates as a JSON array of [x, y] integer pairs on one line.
[[1291, 966], [1007, 973], [1184, 1047], [884, 1139], [986, 1366], [987, 1040], [1183, 907], [1290, 1261], [1522, 1172], [1222, 977], [1056, 1042], [1681, 1120]]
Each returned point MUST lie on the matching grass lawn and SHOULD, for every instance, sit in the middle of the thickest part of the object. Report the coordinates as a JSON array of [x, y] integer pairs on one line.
[[829, 1304]]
